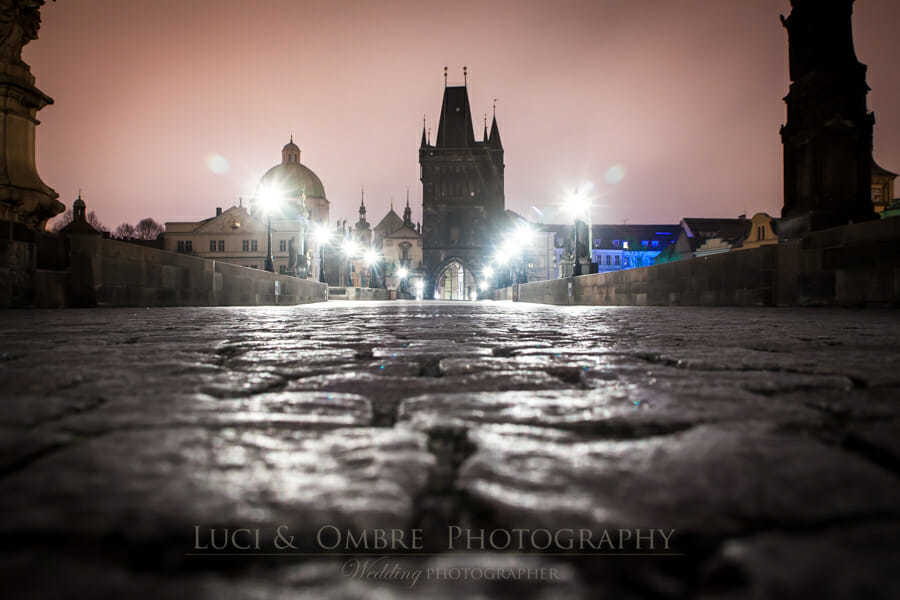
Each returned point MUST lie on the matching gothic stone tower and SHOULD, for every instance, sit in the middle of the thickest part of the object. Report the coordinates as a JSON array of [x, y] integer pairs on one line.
[[462, 197], [828, 136]]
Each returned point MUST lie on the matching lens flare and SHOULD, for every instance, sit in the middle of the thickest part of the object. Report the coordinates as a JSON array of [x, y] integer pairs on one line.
[[217, 163], [321, 234], [615, 174]]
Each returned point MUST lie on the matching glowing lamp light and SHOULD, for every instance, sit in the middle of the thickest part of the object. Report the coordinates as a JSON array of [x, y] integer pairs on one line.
[[402, 272], [321, 234], [371, 257], [523, 234], [420, 285], [269, 198], [500, 258], [349, 248], [483, 286], [488, 272]]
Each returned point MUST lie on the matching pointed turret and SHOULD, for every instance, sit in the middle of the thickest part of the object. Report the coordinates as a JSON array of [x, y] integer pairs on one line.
[[424, 137], [362, 204], [455, 128], [495, 135], [484, 138]]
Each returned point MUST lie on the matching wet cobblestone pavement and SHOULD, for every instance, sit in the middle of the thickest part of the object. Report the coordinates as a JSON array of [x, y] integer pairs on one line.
[[769, 440]]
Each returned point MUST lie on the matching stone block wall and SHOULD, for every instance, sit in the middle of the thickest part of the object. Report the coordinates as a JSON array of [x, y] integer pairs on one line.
[[357, 293], [111, 273], [854, 265]]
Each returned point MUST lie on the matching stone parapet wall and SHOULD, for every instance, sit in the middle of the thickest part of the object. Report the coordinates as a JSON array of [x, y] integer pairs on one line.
[[358, 293], [112, 273], [854, 265]]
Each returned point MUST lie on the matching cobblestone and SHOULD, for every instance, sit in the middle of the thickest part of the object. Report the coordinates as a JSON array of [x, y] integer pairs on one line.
[[767, 439]]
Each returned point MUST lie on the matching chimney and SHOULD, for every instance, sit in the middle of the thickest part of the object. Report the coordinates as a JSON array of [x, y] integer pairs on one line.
[[218, 211]]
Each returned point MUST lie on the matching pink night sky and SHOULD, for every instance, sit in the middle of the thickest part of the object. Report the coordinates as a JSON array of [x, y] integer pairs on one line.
[[686, 95]]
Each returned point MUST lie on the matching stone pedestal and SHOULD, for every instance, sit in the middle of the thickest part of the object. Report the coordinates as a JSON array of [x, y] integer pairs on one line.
[[24, 198], [828, 135]]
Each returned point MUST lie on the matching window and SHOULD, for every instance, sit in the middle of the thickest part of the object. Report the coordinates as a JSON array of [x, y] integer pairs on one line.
[[212, 245], [245, 245], [181, 245], [282, 245], [655, 243], [617, 258], [761, 232], [188, 246], [221, 245], [253, 247], [644, 243]]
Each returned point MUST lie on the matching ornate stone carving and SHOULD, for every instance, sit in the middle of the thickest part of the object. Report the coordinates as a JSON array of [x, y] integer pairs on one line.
[[828, 135], [23, 196], [19, 24]]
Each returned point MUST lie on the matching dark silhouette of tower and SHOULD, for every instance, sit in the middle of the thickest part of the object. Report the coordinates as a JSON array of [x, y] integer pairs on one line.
[[463, 205], [828, 136]]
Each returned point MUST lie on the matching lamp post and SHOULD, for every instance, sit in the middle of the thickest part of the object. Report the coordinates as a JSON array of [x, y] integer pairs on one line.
[[269, 197], [371, 257], [402, 274], [270, 265], [578, 203], [349, 249], [322, 237]]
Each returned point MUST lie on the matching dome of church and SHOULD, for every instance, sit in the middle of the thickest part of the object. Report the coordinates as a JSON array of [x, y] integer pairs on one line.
[[291, 178]]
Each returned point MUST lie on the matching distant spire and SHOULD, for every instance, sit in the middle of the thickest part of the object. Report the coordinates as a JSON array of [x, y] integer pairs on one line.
[[495, 108], [424, 139], [465, 75], [445, 76], [485, 137], [292, 137], [429, 136], [407, 212], [495, 135], [362, 203], [392, 204]]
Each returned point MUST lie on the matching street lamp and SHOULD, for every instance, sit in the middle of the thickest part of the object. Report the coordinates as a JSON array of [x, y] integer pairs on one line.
[[371, 257], [321, 235], [350, 249], [269, 198], [402, 274], [578, 203]]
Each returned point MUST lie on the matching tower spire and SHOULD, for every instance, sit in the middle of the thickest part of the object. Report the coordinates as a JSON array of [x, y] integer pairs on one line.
[[495, 133], [407, 212], [485, 138], [424, 141], [445, 76], [465, 75]]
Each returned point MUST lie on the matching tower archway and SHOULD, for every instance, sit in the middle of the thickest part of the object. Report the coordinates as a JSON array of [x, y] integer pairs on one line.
[[453, 281]]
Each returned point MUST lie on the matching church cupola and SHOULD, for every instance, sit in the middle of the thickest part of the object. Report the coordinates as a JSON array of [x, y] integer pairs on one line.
[[290, 153], [78, 209]]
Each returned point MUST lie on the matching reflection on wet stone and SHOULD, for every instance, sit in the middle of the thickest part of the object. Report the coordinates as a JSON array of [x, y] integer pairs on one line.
[[763, 443]]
